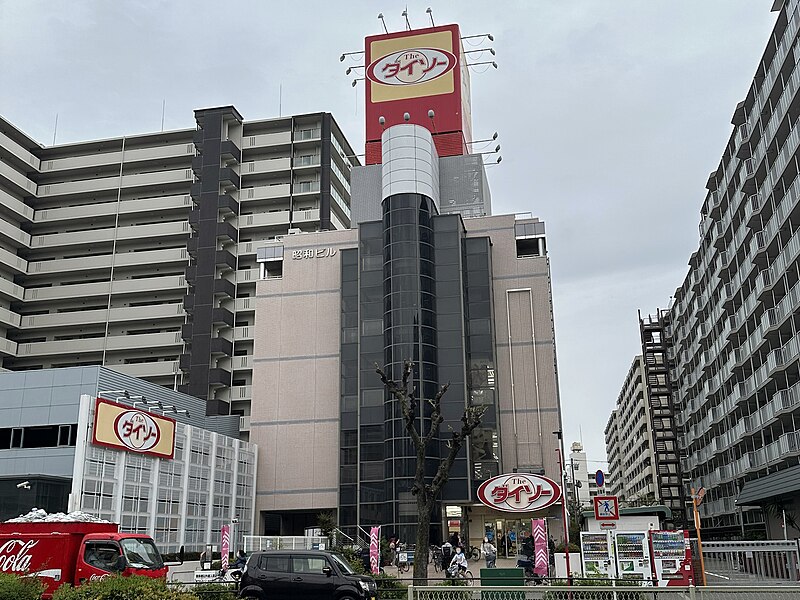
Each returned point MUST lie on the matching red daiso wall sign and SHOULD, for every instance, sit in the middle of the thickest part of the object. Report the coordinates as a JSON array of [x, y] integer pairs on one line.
[[123, 428], [414, 72], [519, 492]]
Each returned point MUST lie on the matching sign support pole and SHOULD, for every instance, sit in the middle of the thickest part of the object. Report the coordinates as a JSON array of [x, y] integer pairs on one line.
[[564, 517], [699, 540]]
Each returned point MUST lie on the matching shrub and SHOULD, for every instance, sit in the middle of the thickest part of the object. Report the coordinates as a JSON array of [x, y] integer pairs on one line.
[[353, 558], [122, 588], [390, 587], [214, 591], [20, 588]]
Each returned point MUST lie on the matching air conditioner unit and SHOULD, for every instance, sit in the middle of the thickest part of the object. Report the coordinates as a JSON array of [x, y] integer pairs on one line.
[[295, 230]]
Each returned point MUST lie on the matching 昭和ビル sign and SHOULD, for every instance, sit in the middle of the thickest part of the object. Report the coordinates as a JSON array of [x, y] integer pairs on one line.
[[519, 492], [125, 428]]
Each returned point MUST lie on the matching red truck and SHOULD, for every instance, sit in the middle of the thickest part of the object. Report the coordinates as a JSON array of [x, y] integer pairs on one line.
[[76, 552]]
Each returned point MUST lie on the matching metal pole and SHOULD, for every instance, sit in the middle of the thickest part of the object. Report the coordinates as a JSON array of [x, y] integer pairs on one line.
[[699, 541], [564, 517]]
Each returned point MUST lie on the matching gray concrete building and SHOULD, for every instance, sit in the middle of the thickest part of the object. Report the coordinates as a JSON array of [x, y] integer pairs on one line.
[[139, 253], [734, 319], [205, 479]]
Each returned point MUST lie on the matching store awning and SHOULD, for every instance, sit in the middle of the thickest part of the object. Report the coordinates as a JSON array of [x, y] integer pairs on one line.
[[760, 491]]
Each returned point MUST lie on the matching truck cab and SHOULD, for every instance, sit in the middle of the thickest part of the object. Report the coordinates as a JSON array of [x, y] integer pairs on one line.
[[125, 554]]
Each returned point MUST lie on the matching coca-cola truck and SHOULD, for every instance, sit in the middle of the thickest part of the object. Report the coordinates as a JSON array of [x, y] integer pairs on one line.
[[76, 552]]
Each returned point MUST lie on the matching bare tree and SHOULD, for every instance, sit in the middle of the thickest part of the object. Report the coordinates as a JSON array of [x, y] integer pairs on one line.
[[426, 492]]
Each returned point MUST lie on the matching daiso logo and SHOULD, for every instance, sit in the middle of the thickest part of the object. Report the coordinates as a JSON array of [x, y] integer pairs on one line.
[[137, 430], [15, 556], [414, 65]]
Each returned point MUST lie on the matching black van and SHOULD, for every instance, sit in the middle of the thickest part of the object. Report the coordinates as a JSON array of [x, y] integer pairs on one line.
[[307, 574]]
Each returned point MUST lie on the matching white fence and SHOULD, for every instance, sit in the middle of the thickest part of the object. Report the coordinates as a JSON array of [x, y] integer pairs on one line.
[[545, 592], [269, 542]]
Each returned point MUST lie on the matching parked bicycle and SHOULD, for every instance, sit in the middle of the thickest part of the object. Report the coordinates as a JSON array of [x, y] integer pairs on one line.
[[405, 558]]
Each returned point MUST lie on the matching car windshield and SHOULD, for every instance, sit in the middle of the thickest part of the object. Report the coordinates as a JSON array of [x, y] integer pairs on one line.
[[343, 564], [141, 553]]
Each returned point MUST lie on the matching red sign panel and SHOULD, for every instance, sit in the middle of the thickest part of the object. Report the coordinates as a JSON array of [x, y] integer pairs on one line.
[[519, 492], [606, 508], [125, 428], [414, 72]]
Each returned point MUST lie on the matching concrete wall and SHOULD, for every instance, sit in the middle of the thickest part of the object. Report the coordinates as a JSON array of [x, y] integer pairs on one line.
[[295, 407]]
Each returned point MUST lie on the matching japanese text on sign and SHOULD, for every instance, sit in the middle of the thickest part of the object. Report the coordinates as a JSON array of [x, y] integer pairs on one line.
[[313, 253]]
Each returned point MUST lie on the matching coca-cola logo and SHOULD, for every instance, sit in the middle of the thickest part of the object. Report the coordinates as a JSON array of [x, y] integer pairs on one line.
[[96, 577], [15, 556]]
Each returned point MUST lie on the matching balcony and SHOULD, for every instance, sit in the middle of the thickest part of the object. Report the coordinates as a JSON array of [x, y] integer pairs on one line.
[[264, 192], [226, 230], [230, 151], [223, 287], [222, 316], [225, 259], [265, 219], [280, 138], [219, 377], [221, 346], [229, 179], [227, 205], [244, 423], [271, 165]]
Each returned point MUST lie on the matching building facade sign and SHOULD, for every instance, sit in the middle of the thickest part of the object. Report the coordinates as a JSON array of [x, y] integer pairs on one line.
[[519, 492], [313, 253], [123, 428]]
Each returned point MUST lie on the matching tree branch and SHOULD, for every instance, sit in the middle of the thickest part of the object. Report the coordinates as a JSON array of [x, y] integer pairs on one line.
[[469, 422], [407, 402]]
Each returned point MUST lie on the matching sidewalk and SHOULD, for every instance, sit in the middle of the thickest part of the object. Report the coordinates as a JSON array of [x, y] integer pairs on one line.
[[434, 577]]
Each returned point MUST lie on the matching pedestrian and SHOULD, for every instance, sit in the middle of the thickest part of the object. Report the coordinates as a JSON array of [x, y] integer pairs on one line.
[[501, 544], [489, 553]]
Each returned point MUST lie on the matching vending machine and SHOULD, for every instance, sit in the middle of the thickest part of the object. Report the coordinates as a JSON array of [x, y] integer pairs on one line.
[[597, 554], [632, 552], [672, 558]]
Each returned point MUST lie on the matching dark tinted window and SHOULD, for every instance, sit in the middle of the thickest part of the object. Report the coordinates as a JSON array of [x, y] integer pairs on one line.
[[308, 564], [274, 564]]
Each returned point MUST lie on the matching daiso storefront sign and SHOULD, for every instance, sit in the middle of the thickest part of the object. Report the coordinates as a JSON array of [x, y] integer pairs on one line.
[[125, 428], [416, 72], [519, 492]]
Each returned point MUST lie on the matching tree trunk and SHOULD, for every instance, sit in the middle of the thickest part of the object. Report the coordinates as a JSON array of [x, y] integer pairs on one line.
[[424, 510]]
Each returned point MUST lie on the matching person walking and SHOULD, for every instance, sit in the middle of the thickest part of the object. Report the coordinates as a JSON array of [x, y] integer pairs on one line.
[[489, 553]]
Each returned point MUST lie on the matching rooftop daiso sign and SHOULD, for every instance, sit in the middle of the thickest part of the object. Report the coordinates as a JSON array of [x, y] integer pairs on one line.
[[416, 72], [407, 67], [123, 428], [519, 492]]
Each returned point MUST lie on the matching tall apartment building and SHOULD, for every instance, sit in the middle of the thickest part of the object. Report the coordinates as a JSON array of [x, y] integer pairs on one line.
[[139, 253], [669, 480], [734, 320], [629, 440]]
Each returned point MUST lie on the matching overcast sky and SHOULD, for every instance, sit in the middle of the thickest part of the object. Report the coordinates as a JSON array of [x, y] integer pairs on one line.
[[611, 114]]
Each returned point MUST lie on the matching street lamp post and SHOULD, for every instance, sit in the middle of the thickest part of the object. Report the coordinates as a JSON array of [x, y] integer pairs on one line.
[[563, 505]]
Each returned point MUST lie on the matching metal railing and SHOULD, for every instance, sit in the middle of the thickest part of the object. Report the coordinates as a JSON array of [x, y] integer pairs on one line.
[[254, 543], [546, 592]]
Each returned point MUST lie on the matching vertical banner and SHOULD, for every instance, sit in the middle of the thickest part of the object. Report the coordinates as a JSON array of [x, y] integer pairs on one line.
[[541, 560], [374, 549], [225, 546]]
